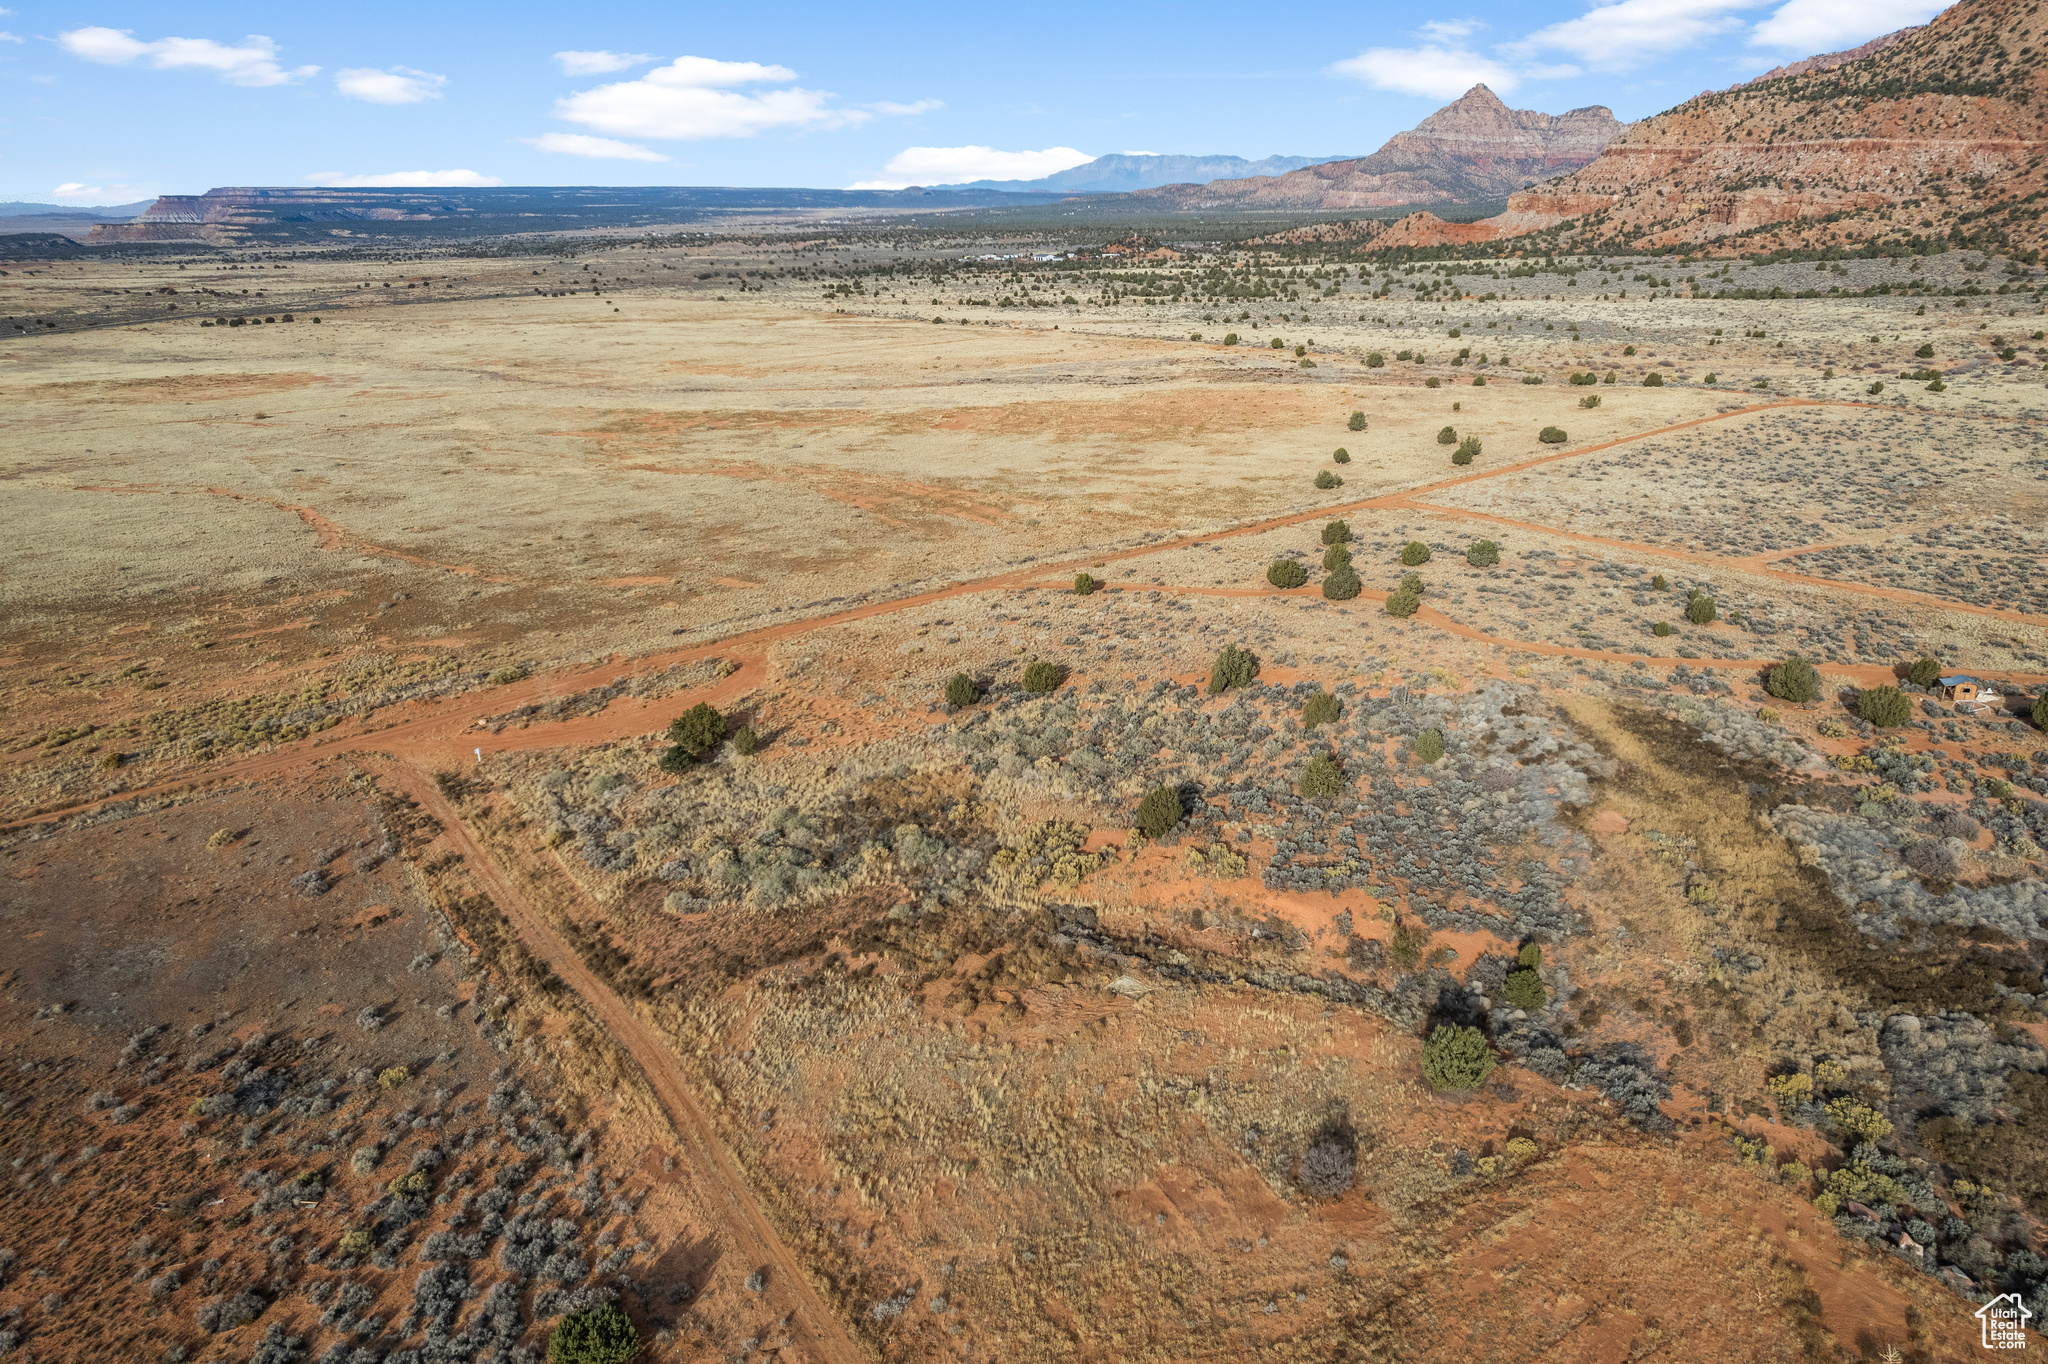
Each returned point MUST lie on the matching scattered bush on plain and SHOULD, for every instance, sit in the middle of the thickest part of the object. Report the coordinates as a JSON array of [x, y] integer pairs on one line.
[[1286, 573], [1234, 667], [1456, 1058]]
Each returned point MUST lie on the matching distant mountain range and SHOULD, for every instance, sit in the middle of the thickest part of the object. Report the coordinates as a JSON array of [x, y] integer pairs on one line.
[[331, 215], [1124, 172], [113, 213], [1473, 150]]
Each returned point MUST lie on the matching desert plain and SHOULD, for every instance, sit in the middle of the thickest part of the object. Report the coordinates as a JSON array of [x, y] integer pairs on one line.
[[385, 984]]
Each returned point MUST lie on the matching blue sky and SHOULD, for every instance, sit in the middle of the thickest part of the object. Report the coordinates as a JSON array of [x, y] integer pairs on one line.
[[111, 102]]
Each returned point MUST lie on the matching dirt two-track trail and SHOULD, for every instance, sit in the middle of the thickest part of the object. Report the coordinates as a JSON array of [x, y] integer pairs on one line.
[[817, 1337]]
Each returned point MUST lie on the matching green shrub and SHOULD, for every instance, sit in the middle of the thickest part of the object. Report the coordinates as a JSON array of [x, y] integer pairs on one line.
[[1374, 360], [1530, 957], [1044, 675], [1456, 1058], [1468, 450], [1660, 583], [1327, 480], [1858, 1120], [1479, 381], [1403, 603], [1230, 340], [1532, 379], [1340, 455], [1429, 745], [597, 1335], [1337, 533], [1406, 944], [961, 690], [1343, 583], [697, 729], [1447, 436], [1336, 557], [1160, 812], [1398, 355], [1876, 387], [1793, 680], [1276, 344], [1234, 667], [674, 759], [1357, 422], [1585, 380], [1084, 583], [1432, 382], [1662, 629], [1937, 387], [1700, 610], [1414, 553], [1653, 381], [745, 741], [1322, 777], [1884, 706], [1461, 455], [1524, 989], [1926, 351], [1322, 709], [1924, 673], [1483, 554], [2040, 711], [1286, 573], [1552, 435]]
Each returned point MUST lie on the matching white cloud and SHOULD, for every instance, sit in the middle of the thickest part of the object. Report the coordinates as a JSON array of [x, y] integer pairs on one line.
[[1629, 32], [399, 85], [583, 144], [696, 97], [84, 195], [252, 63], [1433, 70], [6, 37], [922, 106], [1815, 26], [597, 63], [957, 165], [422, 179], [1448, 29]]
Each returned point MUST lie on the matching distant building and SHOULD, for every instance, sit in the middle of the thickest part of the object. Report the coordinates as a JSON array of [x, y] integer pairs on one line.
[[1969, 693]]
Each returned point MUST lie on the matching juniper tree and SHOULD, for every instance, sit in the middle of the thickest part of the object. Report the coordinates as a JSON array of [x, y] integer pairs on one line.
[[1322, 777], [1234, 667], [1793, 680], [1159, 812]]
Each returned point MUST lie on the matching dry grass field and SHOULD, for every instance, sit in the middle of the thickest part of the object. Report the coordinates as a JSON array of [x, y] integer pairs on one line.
[[338, 657]]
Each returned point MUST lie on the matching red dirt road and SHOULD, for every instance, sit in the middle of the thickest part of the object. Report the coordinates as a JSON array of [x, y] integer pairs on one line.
[[719, 1189]]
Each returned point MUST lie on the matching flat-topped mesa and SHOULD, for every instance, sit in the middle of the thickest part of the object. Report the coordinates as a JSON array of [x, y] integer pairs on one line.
[[217, 215], [1932, 132], [1472, 150]]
